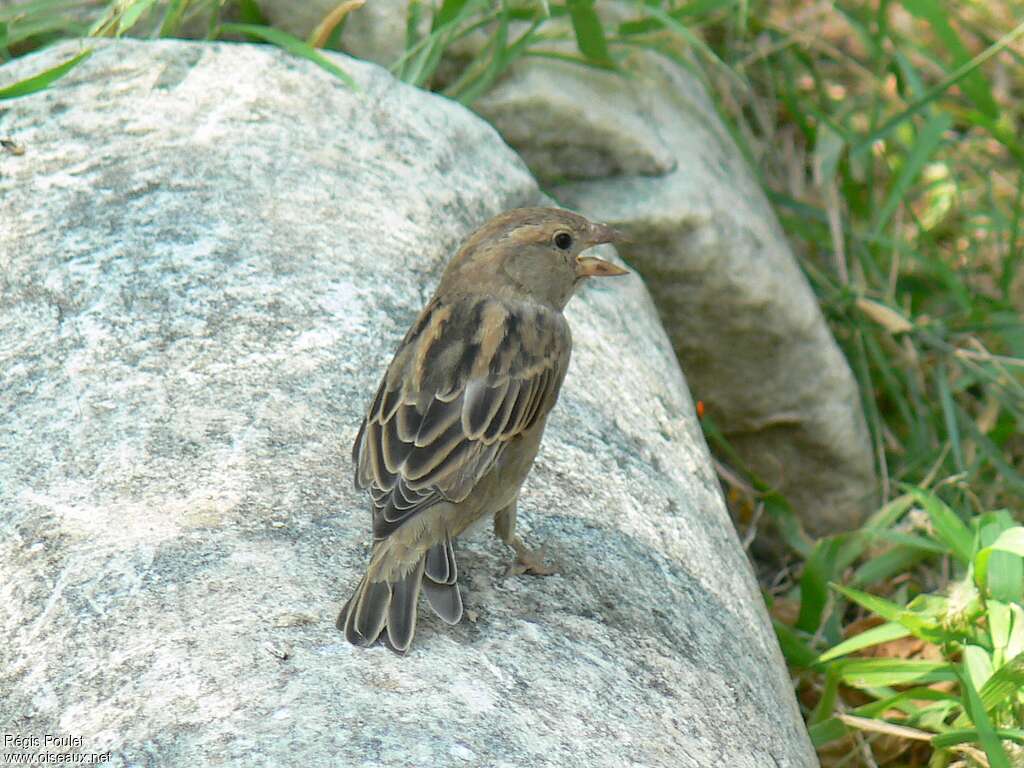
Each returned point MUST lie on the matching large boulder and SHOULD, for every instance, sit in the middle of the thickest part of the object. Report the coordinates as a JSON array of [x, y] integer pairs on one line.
[[208, 253]]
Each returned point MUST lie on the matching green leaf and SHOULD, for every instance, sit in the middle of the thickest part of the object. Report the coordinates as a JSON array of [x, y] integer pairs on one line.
[[250, 12], [1000, 624], [590, 37], [829, 695], [949, 413], [826, 731], [948, 527], [978, 664], [172, 18], [886, 565], [919, 623], [797, 653], [814, 584], [901, 700], [878, 673], [874, 636], [131, 15], [922, 544], [986, 734], [1005, 683], [968, 735], [1015, 645], [422, 67], [1011, 541], [43, 79], [293, 45], [449, 11]]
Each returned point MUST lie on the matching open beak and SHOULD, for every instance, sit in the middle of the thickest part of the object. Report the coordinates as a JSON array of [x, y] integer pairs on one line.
[[591, 266]]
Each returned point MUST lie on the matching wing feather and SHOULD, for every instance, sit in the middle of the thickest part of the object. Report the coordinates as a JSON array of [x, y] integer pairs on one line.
[[470, 376]]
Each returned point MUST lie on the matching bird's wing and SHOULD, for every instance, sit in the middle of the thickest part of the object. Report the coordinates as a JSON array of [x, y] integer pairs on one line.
[[470, 376]]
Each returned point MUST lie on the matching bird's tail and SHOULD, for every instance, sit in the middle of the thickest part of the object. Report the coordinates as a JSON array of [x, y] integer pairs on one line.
[[391, 605]]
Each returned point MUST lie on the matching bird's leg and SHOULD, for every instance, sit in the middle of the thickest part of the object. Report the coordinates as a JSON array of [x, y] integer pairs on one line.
[[527, 560]]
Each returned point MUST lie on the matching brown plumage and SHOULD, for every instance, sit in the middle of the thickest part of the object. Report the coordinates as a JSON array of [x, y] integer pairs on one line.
[[457, 419]]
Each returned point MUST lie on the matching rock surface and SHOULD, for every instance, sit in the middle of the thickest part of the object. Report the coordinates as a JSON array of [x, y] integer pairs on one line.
[[650, 155], [208, 253]]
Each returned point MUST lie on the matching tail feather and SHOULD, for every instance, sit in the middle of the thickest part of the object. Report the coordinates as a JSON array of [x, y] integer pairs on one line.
[[440, 565], [445, 600], [376, 606], [440, 586], [364, 615], [402, 611]]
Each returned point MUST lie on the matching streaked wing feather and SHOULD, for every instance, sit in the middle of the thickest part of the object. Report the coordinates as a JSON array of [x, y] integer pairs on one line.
[[431, 433]]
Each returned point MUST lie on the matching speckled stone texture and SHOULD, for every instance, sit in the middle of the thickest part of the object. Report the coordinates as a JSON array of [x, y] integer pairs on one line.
[[208, 254]]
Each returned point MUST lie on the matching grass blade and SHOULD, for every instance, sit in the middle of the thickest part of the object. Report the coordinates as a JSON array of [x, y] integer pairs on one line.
[[43, 79], [1005, 683], [132, 14], [990, 742], [948, 527], [888, 564], [949, 414], [919, 624], [968, 735], [877, 673], [590, 37], [449, 11], [818, 571], [977, 665], [874, 636], [293, 46], [901, 700], [796, 652], [826, 731]]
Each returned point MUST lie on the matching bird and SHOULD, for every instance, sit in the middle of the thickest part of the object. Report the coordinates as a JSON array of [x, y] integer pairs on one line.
[[457, 419]]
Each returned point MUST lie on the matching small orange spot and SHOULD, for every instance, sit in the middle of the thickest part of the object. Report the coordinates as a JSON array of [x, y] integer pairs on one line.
[[700, 409]]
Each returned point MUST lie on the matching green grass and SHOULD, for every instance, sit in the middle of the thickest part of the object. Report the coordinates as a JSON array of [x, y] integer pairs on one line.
[[887, 136]]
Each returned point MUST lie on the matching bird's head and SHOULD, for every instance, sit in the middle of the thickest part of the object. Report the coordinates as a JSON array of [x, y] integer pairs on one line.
[[534, 253]]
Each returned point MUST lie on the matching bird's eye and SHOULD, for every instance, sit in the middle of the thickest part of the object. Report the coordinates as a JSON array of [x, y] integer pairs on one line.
[[563, 240]]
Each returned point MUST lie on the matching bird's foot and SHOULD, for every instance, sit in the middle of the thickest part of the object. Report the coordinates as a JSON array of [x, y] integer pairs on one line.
[[529, 561]]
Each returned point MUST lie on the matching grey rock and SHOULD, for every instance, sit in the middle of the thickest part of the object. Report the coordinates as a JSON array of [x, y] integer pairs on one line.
[[548, 114], [208, 253]]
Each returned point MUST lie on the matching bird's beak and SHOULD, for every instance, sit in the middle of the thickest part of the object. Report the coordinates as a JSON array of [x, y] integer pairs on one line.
[[591, 266]]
